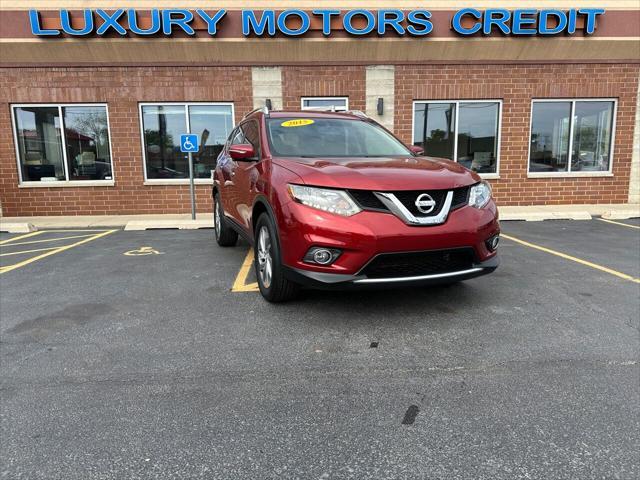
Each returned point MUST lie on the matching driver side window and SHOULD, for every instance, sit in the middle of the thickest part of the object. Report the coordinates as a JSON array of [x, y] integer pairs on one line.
[[251, 133], [237, 137]]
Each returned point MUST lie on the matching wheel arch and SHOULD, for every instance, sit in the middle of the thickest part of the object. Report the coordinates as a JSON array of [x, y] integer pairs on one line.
[[261, 205]]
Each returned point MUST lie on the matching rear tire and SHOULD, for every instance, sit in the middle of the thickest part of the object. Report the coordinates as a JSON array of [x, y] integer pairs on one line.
[[274, 286], [225, 235]]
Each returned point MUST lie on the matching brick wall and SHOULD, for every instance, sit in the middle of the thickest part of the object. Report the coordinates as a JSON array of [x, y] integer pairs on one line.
[[334, 81], [121, 88], [517, 85]]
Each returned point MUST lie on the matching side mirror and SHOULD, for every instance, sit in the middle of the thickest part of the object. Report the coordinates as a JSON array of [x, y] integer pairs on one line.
[[416, 149], [243, 151]]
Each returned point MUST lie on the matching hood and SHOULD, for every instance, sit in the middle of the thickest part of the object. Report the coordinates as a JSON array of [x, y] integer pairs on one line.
[[384, 174]]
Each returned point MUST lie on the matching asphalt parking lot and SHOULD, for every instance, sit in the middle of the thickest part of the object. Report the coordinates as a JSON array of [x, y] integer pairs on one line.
[[150, 355]]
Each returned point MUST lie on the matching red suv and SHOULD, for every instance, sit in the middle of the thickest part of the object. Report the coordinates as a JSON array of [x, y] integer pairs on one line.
[[335, 200]]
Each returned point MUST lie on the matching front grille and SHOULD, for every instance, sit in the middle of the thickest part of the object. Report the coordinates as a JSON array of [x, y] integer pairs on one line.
[[460, 197], [408, 199], [413, 264], [367, 200]]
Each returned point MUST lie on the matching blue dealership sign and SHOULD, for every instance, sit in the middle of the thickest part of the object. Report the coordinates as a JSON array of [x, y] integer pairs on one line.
[[189, 143], [358, 22]]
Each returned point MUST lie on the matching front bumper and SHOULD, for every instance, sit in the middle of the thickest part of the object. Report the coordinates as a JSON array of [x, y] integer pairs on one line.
[[343, 281], [368, 234]]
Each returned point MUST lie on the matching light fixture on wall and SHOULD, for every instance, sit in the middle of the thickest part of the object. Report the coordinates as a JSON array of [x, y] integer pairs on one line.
[[380, 106], [267, 103]]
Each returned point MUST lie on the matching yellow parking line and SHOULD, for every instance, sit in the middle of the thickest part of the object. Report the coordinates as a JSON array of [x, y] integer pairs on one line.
[[73, 230], [619, 223], [27, 251], [573, 259], [49, 240], [240, 284], [20, 237], [8, 268]]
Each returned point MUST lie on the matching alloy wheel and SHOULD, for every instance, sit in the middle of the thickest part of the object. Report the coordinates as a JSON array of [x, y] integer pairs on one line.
[[265, 262], [216, 219]]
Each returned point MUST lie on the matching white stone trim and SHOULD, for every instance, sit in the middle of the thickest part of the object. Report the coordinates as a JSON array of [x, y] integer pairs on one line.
[[380, 83], [267, 83], [634, 176]]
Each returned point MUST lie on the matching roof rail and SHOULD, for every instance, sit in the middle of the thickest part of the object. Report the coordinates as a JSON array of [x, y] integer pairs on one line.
[[264, 110], [357, 113], [332, 109]]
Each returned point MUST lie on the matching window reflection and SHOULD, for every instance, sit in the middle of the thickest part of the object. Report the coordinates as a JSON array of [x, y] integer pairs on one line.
[[550, 136], [590, 142], [46, 135], [87, 143], [592, 136], [468, 131], [434, 128], [163, 125], [40, 143], [212, 123], [478, 136]]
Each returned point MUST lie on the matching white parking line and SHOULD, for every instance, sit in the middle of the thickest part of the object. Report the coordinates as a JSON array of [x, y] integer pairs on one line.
[[619, 223]]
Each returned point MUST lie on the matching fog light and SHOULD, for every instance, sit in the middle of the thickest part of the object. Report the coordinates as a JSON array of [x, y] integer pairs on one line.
[[321, 255], [492, 243]]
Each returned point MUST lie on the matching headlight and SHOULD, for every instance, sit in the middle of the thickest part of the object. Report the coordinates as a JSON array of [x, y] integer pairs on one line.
[[480, 195], [332, 201]]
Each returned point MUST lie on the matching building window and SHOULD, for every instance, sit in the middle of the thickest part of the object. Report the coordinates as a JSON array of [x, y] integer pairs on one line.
[[331, 104], [162, 125], [465, 131], [571, 136], [62, 143]]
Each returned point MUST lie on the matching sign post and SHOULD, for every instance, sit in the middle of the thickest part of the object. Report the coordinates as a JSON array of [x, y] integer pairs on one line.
[[189, 144]]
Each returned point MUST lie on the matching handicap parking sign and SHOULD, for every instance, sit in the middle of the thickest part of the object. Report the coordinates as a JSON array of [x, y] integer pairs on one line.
[[188, 143]]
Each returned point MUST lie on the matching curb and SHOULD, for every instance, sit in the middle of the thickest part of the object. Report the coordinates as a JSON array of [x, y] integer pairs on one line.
[[137, 225], [21, 227], [540, 216], [585, 214], [620, 214]]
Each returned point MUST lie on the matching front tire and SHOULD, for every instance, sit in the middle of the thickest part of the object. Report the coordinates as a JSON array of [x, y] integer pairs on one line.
[[225, 235], [274, 286]]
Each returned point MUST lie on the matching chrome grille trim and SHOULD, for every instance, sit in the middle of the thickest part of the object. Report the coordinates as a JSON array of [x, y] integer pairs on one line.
[[400, 211], [420, 277]]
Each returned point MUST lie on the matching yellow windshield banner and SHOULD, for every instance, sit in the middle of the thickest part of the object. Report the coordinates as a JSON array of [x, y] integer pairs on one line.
[[298, 122]]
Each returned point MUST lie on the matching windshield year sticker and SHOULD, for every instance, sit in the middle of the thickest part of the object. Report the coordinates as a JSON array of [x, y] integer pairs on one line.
[[298, 122]]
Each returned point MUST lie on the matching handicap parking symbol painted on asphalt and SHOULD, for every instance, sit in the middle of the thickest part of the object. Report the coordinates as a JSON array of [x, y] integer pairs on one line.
[[143, 251], [189, 143]]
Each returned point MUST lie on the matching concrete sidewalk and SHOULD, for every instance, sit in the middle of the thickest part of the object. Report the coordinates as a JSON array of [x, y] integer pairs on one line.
[[570, 212], [205, 220], [127, 222]]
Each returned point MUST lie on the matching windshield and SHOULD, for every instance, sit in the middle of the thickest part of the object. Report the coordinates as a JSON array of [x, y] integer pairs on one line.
[[331, 137]]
